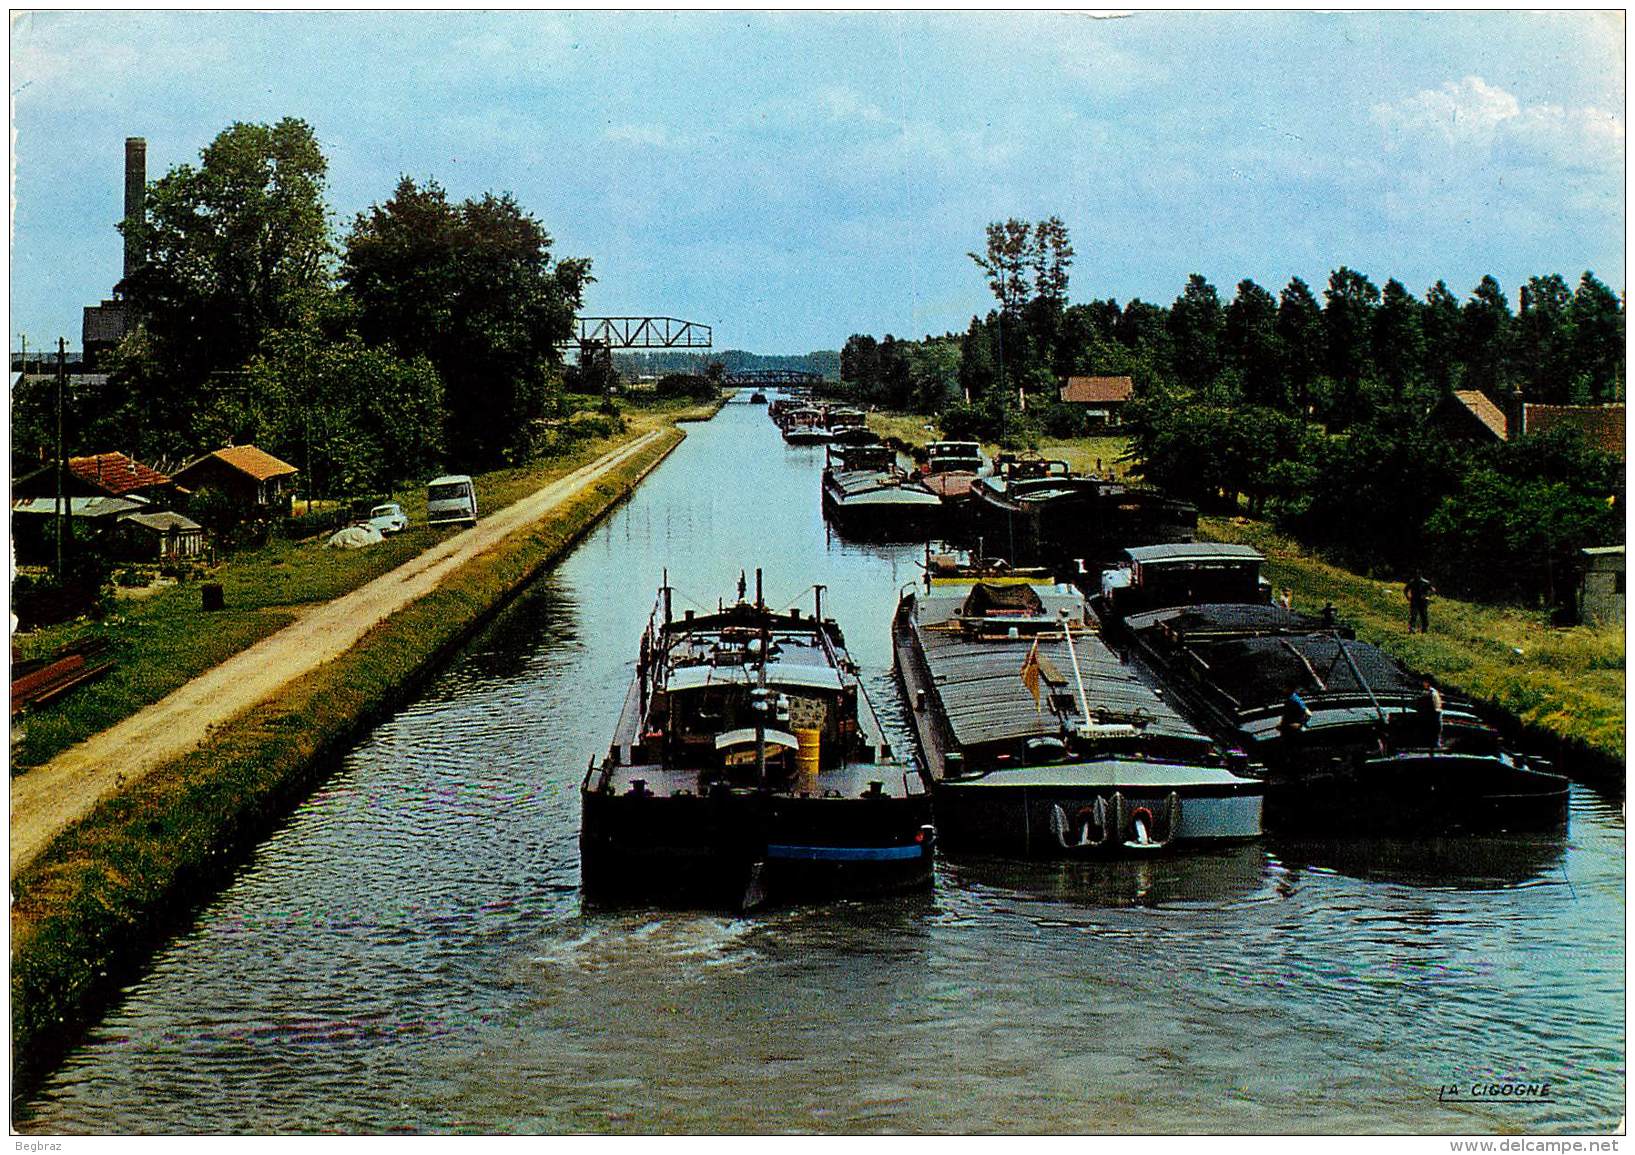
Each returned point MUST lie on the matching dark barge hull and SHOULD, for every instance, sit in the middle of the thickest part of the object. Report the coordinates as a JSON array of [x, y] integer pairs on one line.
[[986, 816], [883, 521], [1423, 792], [737, 848], [1330, 778], [1084, 523]]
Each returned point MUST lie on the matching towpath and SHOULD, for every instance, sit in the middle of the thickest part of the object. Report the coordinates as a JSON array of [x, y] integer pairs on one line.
[[49, 798]]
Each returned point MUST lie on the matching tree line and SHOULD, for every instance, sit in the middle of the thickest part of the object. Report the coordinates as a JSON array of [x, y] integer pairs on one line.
[[1316, 413], [424, 334]]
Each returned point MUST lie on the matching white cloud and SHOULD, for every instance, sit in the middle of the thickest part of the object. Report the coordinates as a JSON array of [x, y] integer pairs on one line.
[[1476, 120], [845, 105], [645, 135]]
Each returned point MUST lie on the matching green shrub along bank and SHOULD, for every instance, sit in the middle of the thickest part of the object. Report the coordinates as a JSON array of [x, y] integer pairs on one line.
[[88, 912], [1560, 687]]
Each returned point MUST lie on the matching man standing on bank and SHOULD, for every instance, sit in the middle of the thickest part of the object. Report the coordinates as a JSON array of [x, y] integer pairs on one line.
[[1418, 591]]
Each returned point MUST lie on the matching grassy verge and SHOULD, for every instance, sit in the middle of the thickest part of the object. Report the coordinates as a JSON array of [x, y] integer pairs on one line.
[[1081, 453], [88, 912], [1563, 683], [161, 642]]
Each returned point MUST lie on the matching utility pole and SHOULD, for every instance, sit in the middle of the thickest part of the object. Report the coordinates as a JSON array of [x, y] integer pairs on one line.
[[62, 461]]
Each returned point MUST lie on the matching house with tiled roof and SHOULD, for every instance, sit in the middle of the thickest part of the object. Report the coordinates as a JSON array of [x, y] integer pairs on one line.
[[257, 482], [98, 475], [1601, 425], [1473, 414], [1103, 398], [1483, 418]]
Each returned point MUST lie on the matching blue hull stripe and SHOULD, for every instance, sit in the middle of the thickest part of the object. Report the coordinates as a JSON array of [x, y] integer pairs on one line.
[[845, 853]]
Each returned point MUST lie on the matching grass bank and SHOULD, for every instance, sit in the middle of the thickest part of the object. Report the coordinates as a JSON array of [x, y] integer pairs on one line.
[[1559, 686], [164, 640], [88, 912]]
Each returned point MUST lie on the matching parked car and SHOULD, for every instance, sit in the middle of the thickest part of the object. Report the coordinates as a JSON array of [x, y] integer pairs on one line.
[[388, 518], [451, 500]]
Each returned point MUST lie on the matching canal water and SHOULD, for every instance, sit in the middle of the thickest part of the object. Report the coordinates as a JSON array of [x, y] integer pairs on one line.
[[409, 952]]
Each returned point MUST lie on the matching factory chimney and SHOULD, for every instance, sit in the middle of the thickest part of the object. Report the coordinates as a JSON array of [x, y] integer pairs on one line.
[[136, 188]]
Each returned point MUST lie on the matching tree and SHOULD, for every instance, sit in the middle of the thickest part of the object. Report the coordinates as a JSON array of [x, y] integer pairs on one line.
[[1196, 322], [473, 288], [356, 418], [229, 251], [1542, 341], [1348, 316], [1009, 257], [1052, 254], [860, 362], [1484, 337], [1597, 319], [933, 373], [1300, 328], [1252, 345], [1398, 338], [1439, 327]]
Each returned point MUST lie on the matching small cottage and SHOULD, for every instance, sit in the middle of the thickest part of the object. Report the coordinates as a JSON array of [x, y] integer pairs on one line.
[[1103, 398], [163, 536], [259, 484]]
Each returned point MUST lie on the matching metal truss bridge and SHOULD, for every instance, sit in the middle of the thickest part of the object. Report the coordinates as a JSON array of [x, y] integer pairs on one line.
[[639, 333], [748, 378]]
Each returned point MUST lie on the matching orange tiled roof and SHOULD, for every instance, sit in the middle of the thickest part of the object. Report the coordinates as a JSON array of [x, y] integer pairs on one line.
[[1097, 390], [256, 463], [1484, 410], [115, 473], [1601, 425]]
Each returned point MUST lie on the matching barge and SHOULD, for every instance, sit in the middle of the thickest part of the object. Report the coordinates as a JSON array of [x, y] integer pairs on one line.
[[950, 469], [1347, 738], [1039, 512], [1038, 740], [747, 766], [866, 494], [804, 426]]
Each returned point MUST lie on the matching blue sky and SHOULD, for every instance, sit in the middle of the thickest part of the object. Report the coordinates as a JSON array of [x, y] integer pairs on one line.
[[792, 178]]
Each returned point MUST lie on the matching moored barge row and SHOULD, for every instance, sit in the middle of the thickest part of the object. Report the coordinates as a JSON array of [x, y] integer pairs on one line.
[[1037, 738], [748, 766]]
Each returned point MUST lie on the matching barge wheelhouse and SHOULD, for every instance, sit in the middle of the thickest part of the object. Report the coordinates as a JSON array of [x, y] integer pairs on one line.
[[747, 765], [1038, 740]]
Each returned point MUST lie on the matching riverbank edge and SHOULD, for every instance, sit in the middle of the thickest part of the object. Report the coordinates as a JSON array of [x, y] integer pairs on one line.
[[91, 911]]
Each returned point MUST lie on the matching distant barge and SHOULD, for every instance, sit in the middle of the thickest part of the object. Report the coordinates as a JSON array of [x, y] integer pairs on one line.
[[747, 766], [1038, 740]]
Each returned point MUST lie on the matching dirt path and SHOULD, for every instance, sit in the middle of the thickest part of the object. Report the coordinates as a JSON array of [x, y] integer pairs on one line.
[[47, 799]]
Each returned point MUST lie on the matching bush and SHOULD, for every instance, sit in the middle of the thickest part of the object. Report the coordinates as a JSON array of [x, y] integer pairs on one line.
[[691, 386]]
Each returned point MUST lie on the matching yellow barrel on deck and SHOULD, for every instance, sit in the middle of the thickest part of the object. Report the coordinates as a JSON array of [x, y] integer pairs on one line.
[[807, 757]]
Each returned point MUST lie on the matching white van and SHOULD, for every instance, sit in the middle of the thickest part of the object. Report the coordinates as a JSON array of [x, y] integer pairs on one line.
[[451, 500]]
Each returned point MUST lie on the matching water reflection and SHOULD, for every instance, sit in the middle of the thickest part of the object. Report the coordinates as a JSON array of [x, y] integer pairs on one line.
[[1477, 862], [1216, 876]]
